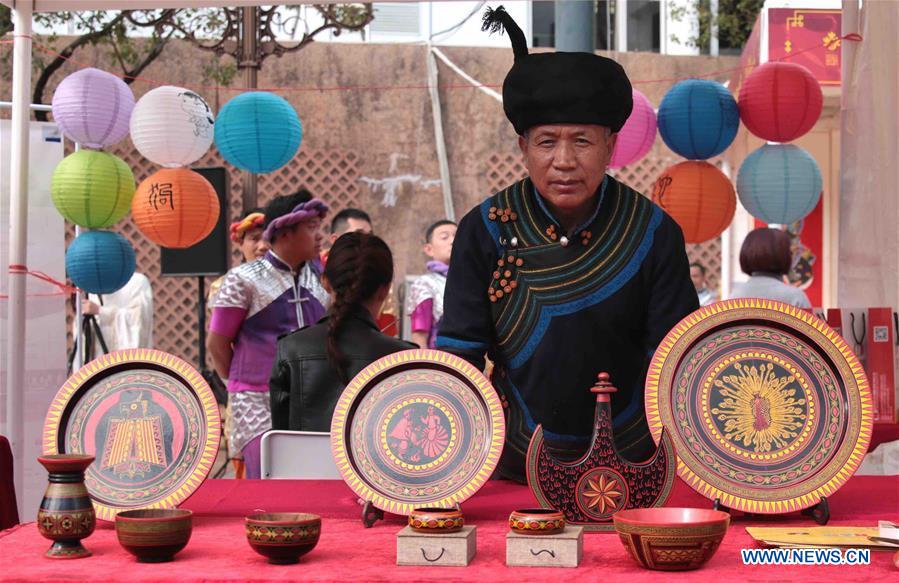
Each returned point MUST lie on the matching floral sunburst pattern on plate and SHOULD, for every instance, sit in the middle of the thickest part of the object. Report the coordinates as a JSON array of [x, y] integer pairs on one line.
[[601, 493]]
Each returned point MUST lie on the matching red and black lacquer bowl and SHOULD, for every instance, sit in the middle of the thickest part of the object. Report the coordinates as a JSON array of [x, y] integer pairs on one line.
[[154, 535], [671, 539], [283, 537]]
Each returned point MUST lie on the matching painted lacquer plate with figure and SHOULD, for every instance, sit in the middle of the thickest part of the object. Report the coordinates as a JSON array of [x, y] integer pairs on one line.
[[769, 408], [151, 422], [417, 428]]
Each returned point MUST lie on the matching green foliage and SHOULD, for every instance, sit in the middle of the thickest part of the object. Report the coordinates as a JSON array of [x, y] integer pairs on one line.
[[735, 20]]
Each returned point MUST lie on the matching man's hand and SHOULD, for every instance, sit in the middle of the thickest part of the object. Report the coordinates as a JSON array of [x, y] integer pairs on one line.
[[89, 308]]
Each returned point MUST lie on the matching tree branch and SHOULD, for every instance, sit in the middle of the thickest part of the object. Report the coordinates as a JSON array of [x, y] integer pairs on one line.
[[41, 84]]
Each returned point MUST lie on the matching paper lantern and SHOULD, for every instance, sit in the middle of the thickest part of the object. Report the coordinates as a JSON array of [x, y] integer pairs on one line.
[[258, 132], [175, 207], [779, 183], [638, 134], [172, 126], [699, 197], [100, 262], [698, 119], [779, 102], [92, 189], [92, 107]]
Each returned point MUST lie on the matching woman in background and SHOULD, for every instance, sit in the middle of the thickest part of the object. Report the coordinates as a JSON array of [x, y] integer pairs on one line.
[[766, 258], [314, 365]]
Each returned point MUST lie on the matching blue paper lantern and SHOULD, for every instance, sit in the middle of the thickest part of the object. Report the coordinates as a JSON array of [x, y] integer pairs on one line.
[[258, 132], [698, 119], [100, 262], [779, 183]]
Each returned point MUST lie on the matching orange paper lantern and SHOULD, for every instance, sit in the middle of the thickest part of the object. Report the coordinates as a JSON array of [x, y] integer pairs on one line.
[[699, 197], [175, 207]]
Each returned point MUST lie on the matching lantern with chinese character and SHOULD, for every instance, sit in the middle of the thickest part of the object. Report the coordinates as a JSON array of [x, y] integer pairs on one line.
[[92, 189], [699, 197], [93, 107], [779, 183], [258, 132], [175, 207], [780, 102], [638, 134], [100, 262], [698, 118], [172, 126]]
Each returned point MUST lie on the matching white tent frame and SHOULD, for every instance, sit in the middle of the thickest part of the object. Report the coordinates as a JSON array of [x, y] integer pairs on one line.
[[11, 421]]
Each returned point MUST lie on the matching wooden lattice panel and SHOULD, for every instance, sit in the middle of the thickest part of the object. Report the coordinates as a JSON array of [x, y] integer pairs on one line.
[[329, 174], [504, 169]]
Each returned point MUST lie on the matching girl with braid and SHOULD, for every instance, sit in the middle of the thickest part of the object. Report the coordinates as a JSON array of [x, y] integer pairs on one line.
[[314, 365]]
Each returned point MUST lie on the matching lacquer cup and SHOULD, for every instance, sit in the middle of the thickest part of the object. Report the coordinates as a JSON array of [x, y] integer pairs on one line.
[[671, 539], [537, 521], [283, 537], [436, 520], [154, 535]]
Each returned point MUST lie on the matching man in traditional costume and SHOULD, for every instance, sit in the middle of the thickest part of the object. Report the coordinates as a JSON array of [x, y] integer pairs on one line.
[[258, 302], [567, 273]]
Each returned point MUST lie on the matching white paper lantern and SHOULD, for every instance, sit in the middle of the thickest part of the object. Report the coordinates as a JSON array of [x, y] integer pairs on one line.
[[172, 126]]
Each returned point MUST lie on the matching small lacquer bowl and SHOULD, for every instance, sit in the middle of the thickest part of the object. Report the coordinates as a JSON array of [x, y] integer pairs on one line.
[[283, 537], [671, 539], [436, 520], [537, 521], [153, 535]]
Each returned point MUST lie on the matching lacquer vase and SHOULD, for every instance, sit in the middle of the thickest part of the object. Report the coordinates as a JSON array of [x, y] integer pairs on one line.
[[66, 514]]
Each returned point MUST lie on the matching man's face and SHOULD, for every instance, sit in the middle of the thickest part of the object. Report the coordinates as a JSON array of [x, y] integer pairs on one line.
[[698, 278], [440, 247], [352, 226], [567, 162], [253, 246], [306, 239]]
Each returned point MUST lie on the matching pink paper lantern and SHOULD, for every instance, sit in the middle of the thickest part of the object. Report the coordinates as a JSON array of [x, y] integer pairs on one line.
[[638, 134]]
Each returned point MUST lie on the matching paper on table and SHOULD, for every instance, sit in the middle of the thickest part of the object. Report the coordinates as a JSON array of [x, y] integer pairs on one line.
[[818, 536]]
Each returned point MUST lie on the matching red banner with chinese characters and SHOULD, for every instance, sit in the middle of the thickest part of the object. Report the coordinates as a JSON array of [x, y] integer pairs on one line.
[[792, 30]]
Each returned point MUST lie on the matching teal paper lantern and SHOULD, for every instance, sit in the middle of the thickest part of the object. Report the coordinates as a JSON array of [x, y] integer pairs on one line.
[[92, 189], [779, 183], [100, 262], [258, 132], [698, 118]]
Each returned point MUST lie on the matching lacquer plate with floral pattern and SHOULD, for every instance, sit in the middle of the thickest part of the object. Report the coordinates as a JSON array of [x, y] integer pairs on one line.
[[150, 420], [417, 428], [769, 408]]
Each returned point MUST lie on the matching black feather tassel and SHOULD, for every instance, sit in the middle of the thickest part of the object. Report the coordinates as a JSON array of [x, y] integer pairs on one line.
[[498, 20]]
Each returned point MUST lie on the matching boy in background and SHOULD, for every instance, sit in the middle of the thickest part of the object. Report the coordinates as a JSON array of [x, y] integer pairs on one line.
[[425, 301]]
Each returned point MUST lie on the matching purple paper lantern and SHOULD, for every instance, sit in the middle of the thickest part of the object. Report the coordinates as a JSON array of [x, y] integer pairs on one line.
[[638, 134], [93, 108]]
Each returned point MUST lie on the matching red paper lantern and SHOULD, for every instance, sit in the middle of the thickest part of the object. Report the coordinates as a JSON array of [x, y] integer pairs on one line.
[[175, 207], [699, 197], [779, 102]]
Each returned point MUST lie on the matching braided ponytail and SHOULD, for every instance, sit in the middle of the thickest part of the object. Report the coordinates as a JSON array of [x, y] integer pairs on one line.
[[358, 266]]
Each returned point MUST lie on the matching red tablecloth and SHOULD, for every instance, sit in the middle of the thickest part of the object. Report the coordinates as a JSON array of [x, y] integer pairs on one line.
[[348, 551]]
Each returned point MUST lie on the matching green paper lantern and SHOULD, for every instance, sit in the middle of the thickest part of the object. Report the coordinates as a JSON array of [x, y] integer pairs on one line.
[[93, 189]]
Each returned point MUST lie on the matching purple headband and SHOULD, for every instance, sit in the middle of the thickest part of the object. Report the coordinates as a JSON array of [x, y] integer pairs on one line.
[[302, 212]]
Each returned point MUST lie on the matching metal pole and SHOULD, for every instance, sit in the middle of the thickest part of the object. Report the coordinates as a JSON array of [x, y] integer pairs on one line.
[[841, 295], [621, 26], [574, 26], [80, 348], [713, 28], [249, 63], [18, 239]]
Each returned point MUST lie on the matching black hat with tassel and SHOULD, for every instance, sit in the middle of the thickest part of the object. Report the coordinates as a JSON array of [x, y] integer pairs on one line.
[[556, 88]]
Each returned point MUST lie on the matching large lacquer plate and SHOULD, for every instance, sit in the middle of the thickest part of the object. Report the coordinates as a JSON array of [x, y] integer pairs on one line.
[[417, 428], [769, 408], [150, 420]]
